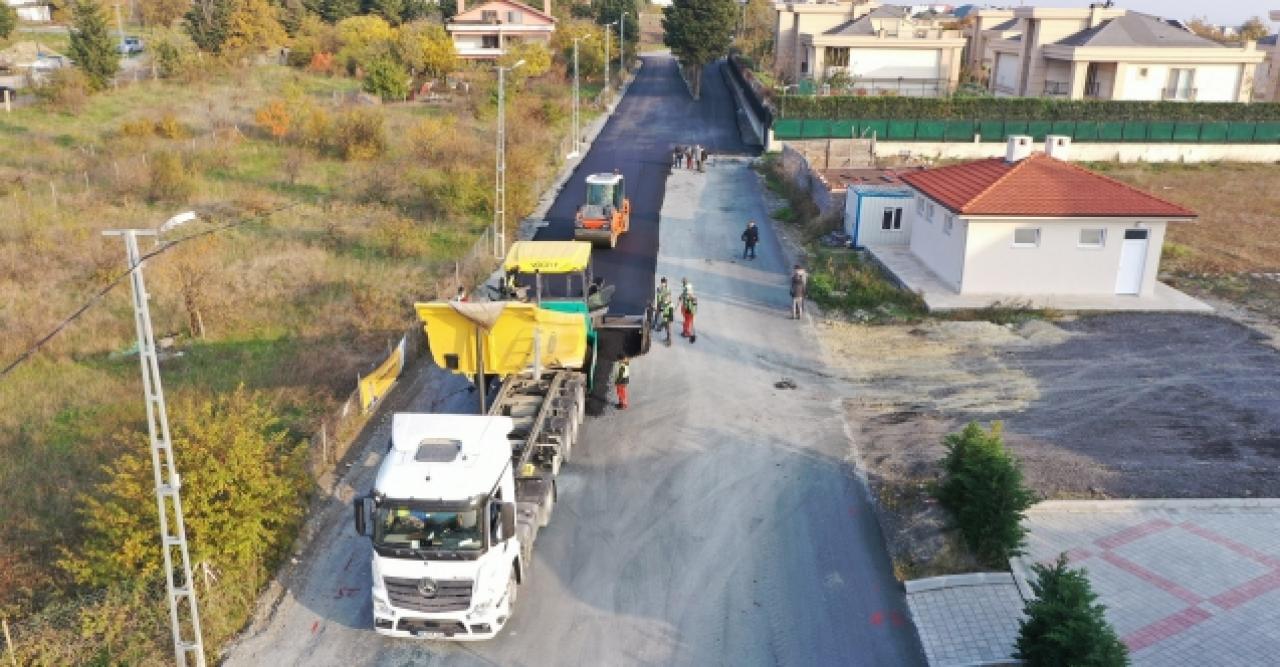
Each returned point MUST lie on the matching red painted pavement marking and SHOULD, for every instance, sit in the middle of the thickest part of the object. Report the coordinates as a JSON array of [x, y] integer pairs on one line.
[[1248, 590], [1151, 577], [1242, 549], [314, 626], [897, 619], [877, 618], [1078, 554], [1165, 628], [1133, 533]]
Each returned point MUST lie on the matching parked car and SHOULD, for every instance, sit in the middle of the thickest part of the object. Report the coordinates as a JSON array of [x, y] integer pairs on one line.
[[130, 46]]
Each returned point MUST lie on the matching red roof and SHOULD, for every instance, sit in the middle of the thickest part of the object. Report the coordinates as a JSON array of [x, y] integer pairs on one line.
[[1038, 186]]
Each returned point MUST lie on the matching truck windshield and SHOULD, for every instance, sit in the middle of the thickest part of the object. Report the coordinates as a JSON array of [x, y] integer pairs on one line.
[[403, 526], [599, 194]]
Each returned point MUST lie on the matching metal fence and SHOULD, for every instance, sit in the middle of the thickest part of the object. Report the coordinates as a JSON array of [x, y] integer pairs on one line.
[[1135, 131]]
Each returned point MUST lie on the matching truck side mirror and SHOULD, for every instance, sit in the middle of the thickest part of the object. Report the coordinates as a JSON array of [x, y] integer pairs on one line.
[[508, 520], [364, 514]]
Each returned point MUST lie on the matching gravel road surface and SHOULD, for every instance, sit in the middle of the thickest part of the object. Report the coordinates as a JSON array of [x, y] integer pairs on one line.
[[716, 522]]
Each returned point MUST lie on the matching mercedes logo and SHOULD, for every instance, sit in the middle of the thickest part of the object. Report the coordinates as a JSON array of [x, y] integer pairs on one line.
[[428, 587]]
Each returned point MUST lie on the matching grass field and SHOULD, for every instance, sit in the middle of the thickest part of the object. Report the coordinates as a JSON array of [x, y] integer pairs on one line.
[[293, 303]]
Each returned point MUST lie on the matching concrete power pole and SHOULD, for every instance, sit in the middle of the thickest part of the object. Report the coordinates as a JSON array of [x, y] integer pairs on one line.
[[500, 176], [120, 28], [184, 614]]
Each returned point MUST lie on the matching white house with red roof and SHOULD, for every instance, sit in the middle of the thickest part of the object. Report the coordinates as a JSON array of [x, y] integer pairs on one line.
[[486, 31], [1032, 226]]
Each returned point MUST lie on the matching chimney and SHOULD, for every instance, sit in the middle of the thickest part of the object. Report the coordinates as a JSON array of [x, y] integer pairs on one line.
[[1058, 147], [462, 6], [1019, 148], [546, 7]]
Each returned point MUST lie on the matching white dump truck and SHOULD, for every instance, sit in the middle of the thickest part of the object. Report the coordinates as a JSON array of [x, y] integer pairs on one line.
[[459, 499]]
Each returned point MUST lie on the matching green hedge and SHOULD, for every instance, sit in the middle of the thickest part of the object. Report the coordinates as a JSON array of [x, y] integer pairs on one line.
[[1026, 108]]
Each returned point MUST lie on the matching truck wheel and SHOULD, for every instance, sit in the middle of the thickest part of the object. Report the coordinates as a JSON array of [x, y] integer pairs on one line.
[[567, 439], [580, 398], [548, 504], [513, 589]]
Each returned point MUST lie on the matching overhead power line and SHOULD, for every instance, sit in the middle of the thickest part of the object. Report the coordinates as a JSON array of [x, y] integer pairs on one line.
[[98, 296]]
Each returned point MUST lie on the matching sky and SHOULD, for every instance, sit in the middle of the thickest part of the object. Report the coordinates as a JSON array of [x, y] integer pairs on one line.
[[1224, 12]]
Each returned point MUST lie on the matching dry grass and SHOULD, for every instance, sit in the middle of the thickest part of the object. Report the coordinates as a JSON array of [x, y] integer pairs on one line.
[[1237, 203]]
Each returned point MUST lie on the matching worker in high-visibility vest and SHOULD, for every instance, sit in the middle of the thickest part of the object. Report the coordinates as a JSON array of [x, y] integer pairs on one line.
[[661, 301], [688, 308], [622, 378]]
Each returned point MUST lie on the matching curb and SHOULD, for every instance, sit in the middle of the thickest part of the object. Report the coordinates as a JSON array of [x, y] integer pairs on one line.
[[1093, 506], [958, 581], [739, 98]]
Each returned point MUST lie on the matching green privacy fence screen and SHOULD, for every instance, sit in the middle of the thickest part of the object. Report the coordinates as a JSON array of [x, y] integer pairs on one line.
[[1109, 131]]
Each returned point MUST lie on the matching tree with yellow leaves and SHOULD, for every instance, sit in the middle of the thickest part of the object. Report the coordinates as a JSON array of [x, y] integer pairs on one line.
[[254, 26]]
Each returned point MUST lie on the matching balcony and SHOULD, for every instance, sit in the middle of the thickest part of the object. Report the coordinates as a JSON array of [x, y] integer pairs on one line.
[[1057, 88], [1178, 94]]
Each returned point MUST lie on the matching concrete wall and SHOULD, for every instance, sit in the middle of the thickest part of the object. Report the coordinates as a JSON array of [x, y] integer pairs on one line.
[[922, 63], [943, 253], [797, 170], [864, 213], [1213, 83], [1059, 265], [1085, 152]]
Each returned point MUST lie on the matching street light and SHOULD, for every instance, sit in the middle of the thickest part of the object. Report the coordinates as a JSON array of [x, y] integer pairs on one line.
[[622, 45], [577, 133], [167, 481], [606, 56], [500, 168]]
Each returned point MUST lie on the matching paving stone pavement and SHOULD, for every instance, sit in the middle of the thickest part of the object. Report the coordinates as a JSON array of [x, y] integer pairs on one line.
[[967, 619], [1184, 582]]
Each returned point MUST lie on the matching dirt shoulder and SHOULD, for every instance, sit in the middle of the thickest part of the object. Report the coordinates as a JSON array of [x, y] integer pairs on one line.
[[1111, 406]]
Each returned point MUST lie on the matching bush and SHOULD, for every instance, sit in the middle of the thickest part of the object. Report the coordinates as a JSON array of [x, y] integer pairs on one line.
[[274, 117], [1019, 108], [67, 90], [169, 179], [844, 281], [385, 78], [1065, 627], [174, 54], [8, 20], [359, 135], [982, 488]]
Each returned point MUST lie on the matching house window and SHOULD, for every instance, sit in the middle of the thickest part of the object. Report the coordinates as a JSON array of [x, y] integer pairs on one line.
[[836, 56], [1180, 87], [892, 220], [489, 16], [947, 224], [489, 41], [515, 17], [1027, 237], [804, 67], [1093, 238], [930, 208], [919, 205]]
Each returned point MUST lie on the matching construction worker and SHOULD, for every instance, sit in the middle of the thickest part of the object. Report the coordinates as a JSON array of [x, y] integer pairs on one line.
[[799, 286], [688, 308], [750, 237], [622, 378], [661, 298], [665, 317]]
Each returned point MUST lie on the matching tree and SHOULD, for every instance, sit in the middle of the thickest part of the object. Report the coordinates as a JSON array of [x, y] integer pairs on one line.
[[590, 46], [173, 53], [253, 26], [242, 492], [334, 11], [391, 10], [426, 49], [1064, 625], [8, 20], [208, 23], [387, 79], [161, 13], [92, 47], [363, 39], [536, 57], [1253, 29], [982, 488], [608, 11], [698, 32]]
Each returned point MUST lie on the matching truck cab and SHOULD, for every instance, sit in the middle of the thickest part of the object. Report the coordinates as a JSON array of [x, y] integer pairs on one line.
[[442, 518]]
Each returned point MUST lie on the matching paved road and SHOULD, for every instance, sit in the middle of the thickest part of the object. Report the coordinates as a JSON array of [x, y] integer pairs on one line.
[[717, 522], [656, 114]]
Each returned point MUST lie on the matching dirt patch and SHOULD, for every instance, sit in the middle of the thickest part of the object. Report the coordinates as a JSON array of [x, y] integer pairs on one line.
[[1111, 406]]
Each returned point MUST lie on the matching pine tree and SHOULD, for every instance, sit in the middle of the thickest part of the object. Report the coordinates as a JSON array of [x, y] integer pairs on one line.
[[1065, 627], [92, 48], [982, 488], [208, 23], [336, 10], [698, 32]]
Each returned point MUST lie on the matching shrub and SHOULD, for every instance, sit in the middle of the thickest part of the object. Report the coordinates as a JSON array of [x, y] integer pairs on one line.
[[174, 54], [1065, 627], [169, 179], [426, 49], [982, 488], [169, 127], [8, 20], [385, 78], [274, 117], [67, 90], [401, 238], [315, 127], [359, 134], [138, 129]]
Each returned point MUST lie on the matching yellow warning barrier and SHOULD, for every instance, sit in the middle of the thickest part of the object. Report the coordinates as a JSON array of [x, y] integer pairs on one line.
[[376, 384]]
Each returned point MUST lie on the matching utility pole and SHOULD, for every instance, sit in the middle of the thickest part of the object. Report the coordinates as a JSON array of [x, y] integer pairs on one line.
[[187, 640], [577, 131], [500, 177], [607, 34], [622, 46]]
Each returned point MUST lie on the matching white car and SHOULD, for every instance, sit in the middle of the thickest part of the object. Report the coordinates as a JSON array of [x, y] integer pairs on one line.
[[129, 46]]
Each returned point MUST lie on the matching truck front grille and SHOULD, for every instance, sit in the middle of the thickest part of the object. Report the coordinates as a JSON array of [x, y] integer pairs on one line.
[[450, 595]]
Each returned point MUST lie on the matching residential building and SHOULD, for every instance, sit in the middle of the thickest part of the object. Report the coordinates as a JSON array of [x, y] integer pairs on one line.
[[1034, 224], [1113, 54], [981, 25], [28, 63], [1266, 82], [32, 11], [485, 31], [875, 49]]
